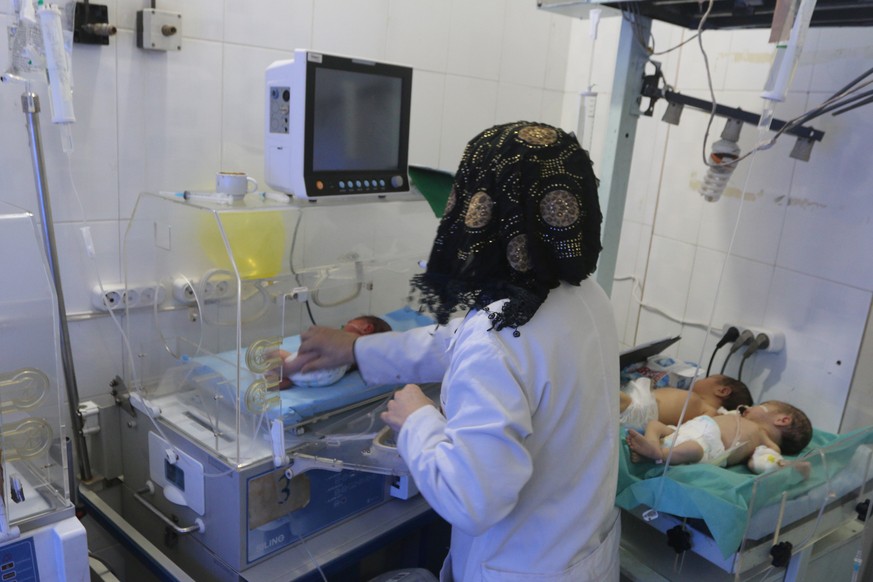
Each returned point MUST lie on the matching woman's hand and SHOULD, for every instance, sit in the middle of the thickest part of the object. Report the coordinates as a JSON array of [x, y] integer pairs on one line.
[[323, 347], [406, 401]]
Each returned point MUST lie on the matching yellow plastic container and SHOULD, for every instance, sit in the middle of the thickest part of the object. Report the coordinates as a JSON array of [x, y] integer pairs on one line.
[[256, 239]]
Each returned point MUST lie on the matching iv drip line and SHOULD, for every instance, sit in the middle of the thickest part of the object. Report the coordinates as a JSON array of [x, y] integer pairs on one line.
[[652, 514], [588, 97]]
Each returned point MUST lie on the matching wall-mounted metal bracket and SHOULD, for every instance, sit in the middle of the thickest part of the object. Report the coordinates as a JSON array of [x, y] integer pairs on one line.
[[653, 89], [158, 30], [91, 24]]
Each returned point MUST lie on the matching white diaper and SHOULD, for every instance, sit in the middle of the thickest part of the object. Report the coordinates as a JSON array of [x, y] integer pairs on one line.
[[643, 406], [704, 431], [316, 377]]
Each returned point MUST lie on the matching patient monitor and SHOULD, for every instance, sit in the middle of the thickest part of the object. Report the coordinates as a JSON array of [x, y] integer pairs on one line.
[[336, 126]]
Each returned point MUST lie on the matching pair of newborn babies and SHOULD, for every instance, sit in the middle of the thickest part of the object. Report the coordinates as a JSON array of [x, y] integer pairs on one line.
[[722, 425], [361, 325]]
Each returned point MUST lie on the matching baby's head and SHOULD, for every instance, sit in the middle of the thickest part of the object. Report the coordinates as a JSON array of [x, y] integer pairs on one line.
[[793, 427], [732, 393], [738, 395], [366, 324]]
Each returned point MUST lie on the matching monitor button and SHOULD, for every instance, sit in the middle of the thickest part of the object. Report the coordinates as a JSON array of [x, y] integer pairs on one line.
[[397, 181]]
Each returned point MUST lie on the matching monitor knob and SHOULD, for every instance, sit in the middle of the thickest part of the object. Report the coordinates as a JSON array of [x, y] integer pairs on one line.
[[397, 181]]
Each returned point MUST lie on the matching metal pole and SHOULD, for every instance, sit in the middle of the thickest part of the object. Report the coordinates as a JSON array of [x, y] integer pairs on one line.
[[30, 106], [624, 110]]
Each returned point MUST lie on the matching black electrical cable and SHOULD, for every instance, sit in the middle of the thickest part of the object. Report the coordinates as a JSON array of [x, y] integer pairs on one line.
[[744, 338], [730, 335], [851, 84], [761, 342], [309, 311], [857, 104]]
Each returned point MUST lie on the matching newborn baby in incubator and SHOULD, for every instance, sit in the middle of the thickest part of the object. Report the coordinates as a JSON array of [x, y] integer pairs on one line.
[[640, 404], [361, 325], [772, 428]]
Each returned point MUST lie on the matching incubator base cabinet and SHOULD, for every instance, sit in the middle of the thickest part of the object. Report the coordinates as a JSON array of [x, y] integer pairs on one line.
[[40, 536], [645, 556], [223, 472]]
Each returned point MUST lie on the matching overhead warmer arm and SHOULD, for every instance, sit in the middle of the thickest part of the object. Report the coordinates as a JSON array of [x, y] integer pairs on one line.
[[653, 88], [724, 14]]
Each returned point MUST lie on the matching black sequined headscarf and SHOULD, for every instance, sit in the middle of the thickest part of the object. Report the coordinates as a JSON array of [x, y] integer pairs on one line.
[[522, 216]]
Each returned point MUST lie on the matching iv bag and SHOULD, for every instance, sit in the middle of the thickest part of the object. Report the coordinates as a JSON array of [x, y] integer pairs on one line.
[[28, 55]]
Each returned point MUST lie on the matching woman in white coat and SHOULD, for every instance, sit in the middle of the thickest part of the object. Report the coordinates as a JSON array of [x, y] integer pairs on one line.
[[521, 454]]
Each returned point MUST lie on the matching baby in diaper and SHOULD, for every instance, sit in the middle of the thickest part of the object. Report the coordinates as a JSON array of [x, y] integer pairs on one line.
[[704, 431], [726, 439], [639, 404]]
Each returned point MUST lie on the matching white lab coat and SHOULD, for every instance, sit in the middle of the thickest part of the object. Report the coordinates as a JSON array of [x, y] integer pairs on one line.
[[524, 463]]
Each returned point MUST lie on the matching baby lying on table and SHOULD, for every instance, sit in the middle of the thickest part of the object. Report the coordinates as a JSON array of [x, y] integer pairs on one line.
[[361, 325], [727, 439], [640, 404]]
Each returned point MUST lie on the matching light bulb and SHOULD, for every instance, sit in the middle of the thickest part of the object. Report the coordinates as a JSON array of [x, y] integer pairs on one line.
[[721, 161]]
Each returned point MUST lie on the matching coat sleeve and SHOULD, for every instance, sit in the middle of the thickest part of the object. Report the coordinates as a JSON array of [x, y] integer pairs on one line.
[[472, 464], [418, 355]]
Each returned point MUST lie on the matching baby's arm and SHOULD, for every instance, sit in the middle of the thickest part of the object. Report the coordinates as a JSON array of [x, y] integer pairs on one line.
[[764, 460], [768, 442]]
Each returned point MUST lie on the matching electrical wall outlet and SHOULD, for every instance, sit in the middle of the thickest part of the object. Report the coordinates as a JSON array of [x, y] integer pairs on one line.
[[117, 296], [215, 288], [300, 294], [777, 338], [183, 290], [151, 295], [107, 298]]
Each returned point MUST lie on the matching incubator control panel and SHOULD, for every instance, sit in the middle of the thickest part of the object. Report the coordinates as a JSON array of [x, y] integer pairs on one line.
[[19, 561]]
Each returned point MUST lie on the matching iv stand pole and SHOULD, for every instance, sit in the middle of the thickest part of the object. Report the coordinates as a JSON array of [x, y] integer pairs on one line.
[[30, 106]]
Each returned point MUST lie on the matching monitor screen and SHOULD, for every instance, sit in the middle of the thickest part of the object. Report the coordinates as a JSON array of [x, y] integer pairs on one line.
[[356, 121]]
